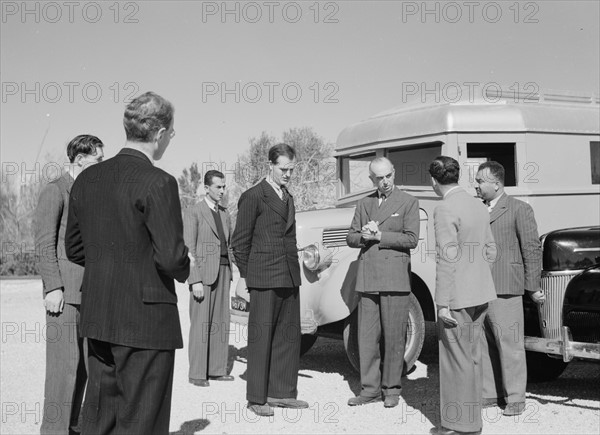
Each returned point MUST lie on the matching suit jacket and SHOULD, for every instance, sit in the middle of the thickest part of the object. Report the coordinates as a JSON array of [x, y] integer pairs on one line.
[[125, 227], [202, 238], [264, 239], [465, 252], [50, 226], [518, 265], [385, 266]]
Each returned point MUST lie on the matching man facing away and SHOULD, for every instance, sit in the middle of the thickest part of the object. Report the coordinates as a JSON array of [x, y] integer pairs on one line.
[[517, 269], [463, 288], [66, 374], [206, 230], [125, 227], [264, 245], [385, 227]]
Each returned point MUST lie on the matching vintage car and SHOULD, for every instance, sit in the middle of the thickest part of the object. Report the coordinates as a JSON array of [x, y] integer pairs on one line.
[[549, 145], [567, 325]]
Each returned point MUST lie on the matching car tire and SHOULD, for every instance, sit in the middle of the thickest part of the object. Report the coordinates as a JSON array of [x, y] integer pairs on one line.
[[541, 367], [307, 342], [415, 336]]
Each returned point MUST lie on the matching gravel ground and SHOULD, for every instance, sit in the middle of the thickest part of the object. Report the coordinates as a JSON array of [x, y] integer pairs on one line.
[[570, 404]]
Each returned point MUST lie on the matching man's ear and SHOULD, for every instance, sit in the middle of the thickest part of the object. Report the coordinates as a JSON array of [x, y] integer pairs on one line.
[[160, 133]]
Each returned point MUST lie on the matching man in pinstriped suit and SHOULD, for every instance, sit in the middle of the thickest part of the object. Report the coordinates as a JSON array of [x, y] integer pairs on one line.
[[206, 229], [264, 245], [125, 227], [66, 374], [517, 269]]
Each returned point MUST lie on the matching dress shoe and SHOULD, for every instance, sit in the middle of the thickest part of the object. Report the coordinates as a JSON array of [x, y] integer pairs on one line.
[[287, 403], [444, 431], [200, 382], [514, 408], [363, 400], [391, 401], [221, 378], [261, 410], [493, 401]]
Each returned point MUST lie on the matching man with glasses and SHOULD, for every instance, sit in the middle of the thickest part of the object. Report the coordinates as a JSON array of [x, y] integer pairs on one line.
[[125, 226]]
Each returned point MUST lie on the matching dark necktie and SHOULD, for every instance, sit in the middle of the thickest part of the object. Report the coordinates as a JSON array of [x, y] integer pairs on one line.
[[285, 195], [382, 196]]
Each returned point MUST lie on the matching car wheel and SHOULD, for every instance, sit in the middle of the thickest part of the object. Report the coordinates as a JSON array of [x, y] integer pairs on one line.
[[541, 367], [307, 342], [415, 336]]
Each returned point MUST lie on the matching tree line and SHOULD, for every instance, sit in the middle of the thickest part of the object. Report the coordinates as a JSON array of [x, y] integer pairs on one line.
[[313, 187]]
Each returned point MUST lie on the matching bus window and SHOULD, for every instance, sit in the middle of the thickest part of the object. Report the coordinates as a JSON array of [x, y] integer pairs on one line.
[[412, 163], [354, 172], [503, 153]]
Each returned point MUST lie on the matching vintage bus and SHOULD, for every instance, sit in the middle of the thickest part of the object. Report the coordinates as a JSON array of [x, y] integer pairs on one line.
[[549, 144]]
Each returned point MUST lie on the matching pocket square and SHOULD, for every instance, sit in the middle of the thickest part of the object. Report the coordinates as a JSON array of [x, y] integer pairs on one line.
[[395, 215]]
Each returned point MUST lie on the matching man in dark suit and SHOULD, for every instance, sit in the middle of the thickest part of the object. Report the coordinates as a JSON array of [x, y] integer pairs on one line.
[[516, 270], [463, 288], [264, 245], [66, 374], [125, 227], [206, 229], [385, 227]]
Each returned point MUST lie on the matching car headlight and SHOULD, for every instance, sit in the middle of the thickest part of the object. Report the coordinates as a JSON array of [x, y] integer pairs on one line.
[[311, 257]]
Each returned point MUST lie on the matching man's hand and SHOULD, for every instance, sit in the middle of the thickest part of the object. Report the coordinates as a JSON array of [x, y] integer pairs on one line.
[[198, 291], [54, 301], [444, 314], [370, 231], [539, 297]]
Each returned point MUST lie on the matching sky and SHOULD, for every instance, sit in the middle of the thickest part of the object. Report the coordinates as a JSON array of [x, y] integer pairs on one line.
[[236, 69]]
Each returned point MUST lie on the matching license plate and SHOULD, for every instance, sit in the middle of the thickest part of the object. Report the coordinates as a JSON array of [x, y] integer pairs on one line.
[[239, 304]]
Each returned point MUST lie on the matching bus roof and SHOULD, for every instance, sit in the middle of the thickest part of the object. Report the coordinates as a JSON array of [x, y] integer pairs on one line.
[[548, 113]]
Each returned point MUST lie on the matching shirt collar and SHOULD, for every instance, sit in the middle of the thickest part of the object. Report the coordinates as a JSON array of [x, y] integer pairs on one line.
[[210, 203], [275, 186], [494, 201]]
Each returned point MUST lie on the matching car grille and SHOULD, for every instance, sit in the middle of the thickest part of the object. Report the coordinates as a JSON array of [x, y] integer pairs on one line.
[[554, 286], [585, 326], [334, 237]]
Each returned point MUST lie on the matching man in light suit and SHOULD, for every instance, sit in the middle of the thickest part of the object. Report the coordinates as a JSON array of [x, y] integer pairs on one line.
[[516, 270], [125, 227], [206, 229], [385, 227], [463, 288], [66, 374], [266, 253]]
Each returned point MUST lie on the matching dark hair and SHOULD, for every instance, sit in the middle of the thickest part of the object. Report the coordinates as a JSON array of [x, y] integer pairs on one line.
[[496, 169], [83, 144], [444, 170], [281, 149], [145, 115], [208, 177]]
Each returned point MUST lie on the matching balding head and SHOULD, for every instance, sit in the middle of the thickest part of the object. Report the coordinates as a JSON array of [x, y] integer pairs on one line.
[[381, 173]]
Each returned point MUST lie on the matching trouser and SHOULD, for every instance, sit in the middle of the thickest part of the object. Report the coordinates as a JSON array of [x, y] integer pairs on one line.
[[66, 374], [382, 314], [273, 344], [129, 390], [209, 329], [503, 351], [460, 369]]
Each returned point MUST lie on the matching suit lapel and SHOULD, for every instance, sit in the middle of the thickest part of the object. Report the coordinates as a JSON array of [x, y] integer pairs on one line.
[[372, 206], [389, 206], [291, 210], [208, 217], [500, 209], [273, 200]]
